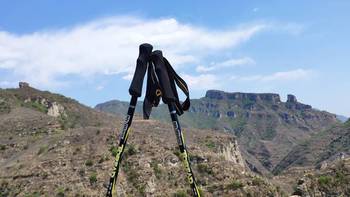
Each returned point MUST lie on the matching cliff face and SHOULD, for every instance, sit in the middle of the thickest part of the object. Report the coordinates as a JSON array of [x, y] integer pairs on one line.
[[265, 126], [221, 95]]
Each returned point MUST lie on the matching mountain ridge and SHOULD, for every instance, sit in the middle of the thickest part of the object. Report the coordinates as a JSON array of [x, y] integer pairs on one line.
[[265, 126]]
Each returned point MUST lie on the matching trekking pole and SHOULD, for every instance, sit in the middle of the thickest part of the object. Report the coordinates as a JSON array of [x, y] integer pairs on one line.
[[183, 150], [169, 95], [135, 91]]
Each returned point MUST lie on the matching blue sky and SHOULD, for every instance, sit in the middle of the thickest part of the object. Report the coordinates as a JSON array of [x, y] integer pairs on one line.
[[87, 49]]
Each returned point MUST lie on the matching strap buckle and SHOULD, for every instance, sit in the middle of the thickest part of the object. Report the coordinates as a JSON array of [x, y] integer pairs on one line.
[[158, 92]]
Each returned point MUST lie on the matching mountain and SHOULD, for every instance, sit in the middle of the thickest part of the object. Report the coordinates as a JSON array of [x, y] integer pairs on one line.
[[266, 127], [320, 149], [342, 118], [52, 145], [330, 180]]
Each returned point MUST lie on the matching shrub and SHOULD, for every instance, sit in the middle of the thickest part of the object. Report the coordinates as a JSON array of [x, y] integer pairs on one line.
[[235, 184], [257, 181], [180, 193], [204, 168], [82, 172], [103, 158], [114, 150], [157, 171], [42, 149], [130, 150], [89, 162], [34, 194], [2, 147], [324, 180], [93, 178], [210, 144], [60, 192]]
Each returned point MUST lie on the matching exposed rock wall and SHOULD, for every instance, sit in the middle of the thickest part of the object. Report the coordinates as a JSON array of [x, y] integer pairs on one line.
[[269, 97], [232, 153], [55, 109]]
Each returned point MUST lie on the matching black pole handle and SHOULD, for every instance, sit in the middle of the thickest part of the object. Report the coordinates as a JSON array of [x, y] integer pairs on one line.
[[145, 51], [162, 73]]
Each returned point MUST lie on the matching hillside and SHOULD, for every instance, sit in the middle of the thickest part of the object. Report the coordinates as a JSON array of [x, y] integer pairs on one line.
[[51, 145], [319, 149], [266, 127]]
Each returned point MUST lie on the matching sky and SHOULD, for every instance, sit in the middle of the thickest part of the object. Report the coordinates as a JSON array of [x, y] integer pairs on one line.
[[87, 49]]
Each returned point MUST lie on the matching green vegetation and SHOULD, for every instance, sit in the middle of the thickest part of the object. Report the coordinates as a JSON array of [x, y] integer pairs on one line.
[[247, 103], [130, 150], [82, 172], [60, 192], [4, 189], [257, 181], [89, 162], [347, 123], [269, 133], [210, 143], [34, 194], [2, 147], [158, 172], [5, 107], [205, 168], [35, 105], [68, 121], [93, 178], [132, 177], [177, 153], [141, 189], [180, 193], [103, 158], [235, 184], [114, 150], [238, 125], [42, 149], [324, 180]]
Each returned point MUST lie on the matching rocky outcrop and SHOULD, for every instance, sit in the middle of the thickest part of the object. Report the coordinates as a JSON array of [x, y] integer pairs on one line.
[[291, 98], [221, 95], [292, 103], [23, 85], [232, 153], [52, 108], [55, 109]]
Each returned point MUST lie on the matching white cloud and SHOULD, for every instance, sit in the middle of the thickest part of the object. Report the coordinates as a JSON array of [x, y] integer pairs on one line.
[[201, 82], [100, 87], [226, 64], [109, 46], [7, 84], [291, 75]]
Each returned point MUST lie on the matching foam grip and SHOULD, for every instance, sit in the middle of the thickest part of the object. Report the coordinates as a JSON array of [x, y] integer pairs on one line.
[[163, 76], [145, 51]]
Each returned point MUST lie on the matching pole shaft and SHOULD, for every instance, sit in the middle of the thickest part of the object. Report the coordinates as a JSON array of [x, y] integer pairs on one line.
[[111, 190], [183, 150]]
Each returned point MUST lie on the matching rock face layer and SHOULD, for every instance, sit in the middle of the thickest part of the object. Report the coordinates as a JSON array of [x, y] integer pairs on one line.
[[221, 95]]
